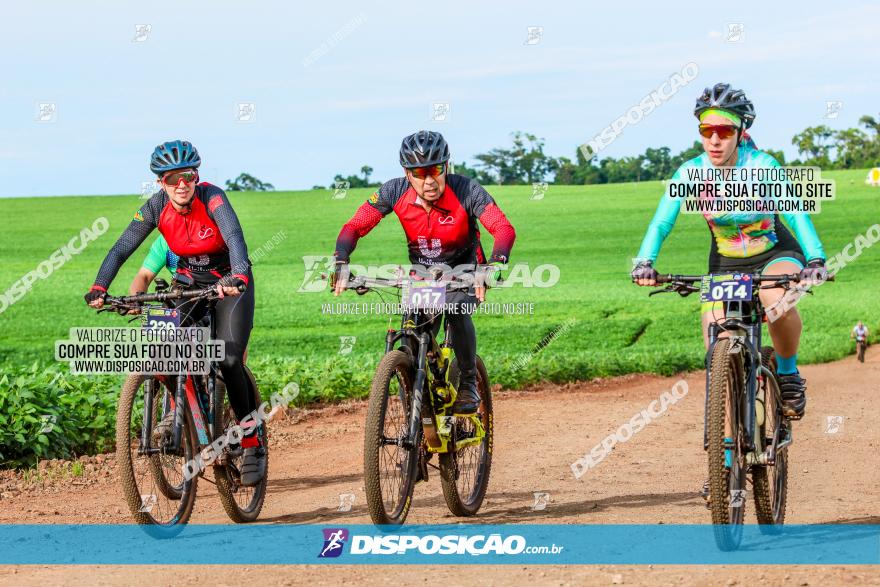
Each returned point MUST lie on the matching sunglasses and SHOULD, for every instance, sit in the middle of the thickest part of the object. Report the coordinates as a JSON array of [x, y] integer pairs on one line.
[[174, 178], [724, 131], [432, 170]]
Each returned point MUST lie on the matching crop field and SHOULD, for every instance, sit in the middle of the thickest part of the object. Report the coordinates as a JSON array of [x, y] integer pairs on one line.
[[594, 322]]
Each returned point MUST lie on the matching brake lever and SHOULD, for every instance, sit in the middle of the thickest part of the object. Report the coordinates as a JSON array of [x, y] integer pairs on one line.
[[682, 289], [669, 288]]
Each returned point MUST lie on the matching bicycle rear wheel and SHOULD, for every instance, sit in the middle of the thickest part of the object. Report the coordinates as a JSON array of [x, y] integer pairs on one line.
[[464, 474], [770, 482], [727, 470], [389, 467], [146, 492], [242, 504]]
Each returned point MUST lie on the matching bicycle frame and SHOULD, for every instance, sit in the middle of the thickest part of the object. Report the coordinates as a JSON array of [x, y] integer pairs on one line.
[[745, 338], [187, 391], [431, 376], [743, 324]]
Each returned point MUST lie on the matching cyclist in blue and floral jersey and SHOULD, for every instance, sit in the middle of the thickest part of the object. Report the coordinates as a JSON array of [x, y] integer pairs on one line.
[[744, 242]]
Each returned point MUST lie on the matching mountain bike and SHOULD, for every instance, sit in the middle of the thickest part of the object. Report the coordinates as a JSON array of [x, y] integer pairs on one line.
[[861, 346], [744, 429], [409, 417], [165, 424]]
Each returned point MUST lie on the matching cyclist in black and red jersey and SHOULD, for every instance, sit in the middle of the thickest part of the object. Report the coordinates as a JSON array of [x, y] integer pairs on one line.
[[439, 213], [201, 228]]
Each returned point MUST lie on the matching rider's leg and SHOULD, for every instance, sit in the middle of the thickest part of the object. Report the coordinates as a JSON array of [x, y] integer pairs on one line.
[[785, 326], [234, 319], [711, 312], [463, 337]]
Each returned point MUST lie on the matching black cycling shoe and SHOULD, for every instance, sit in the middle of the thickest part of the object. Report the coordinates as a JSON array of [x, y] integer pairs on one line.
[[253, 466], [794, 396], [467, 402]]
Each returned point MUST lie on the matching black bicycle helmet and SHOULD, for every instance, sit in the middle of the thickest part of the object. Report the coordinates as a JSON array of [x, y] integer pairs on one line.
[[723, 97], [172, 155], [422, 149]]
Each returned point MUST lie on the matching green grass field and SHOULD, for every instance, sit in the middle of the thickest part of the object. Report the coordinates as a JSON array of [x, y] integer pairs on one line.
[[590, 232]]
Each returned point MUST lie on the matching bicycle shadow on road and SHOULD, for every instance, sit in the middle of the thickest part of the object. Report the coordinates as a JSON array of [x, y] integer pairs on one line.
[[300, 483], [524, 508]]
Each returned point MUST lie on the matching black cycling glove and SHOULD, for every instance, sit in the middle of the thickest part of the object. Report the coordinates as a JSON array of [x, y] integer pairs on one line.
[[814, 272], [643, 270], [94, 294]]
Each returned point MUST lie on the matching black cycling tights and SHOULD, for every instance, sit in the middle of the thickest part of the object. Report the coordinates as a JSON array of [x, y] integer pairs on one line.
[[463, 338], [233, 321]]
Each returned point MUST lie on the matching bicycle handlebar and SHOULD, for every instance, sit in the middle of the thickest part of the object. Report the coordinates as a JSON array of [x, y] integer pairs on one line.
[[795, 277], [174, 294], [364, 282]]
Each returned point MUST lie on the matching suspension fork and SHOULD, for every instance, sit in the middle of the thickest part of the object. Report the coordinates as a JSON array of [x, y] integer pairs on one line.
[[753, 362], [418, 390], [147, 427], [179, 416]]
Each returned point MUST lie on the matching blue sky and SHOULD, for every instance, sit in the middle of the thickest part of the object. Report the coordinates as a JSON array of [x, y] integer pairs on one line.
[[322, 111]]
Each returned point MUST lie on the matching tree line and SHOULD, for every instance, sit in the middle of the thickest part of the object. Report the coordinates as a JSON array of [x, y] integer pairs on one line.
[[525, 162]]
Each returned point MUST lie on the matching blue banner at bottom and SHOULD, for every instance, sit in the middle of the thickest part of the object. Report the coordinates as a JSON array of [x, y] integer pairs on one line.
[[451, 544]]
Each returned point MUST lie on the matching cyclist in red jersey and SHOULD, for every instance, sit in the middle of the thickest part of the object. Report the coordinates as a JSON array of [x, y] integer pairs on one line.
[[438, 212], [202, 229]]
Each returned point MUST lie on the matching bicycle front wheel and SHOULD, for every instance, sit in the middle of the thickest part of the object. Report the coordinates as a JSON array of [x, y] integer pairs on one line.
[[155, 487], [727, 469], [389, 466]]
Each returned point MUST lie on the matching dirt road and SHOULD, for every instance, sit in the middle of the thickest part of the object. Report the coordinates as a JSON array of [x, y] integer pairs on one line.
[[652, 478]]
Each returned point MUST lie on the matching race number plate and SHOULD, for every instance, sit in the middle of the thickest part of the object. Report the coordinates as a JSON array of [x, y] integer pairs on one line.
[[161, 317], [425, 295], [736, 287]]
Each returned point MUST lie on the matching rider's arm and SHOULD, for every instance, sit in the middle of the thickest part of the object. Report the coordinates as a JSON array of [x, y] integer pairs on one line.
[[660, 226], [143, 223], [365, 219], [157, 256], [141, 281], [803, 230], [481, 205], [220, 210]]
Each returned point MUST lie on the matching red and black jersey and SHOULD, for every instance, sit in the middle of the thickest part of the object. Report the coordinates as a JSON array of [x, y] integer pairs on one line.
[[447, 234], [208, 238]]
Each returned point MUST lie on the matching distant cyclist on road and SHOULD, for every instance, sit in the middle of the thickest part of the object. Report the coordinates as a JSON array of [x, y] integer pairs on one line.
[[860, 333], [202, 229], [438, 212], [744, 242]]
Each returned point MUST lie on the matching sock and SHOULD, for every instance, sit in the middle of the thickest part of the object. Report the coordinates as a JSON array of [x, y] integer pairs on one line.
[[728, 454], [786, 365]]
